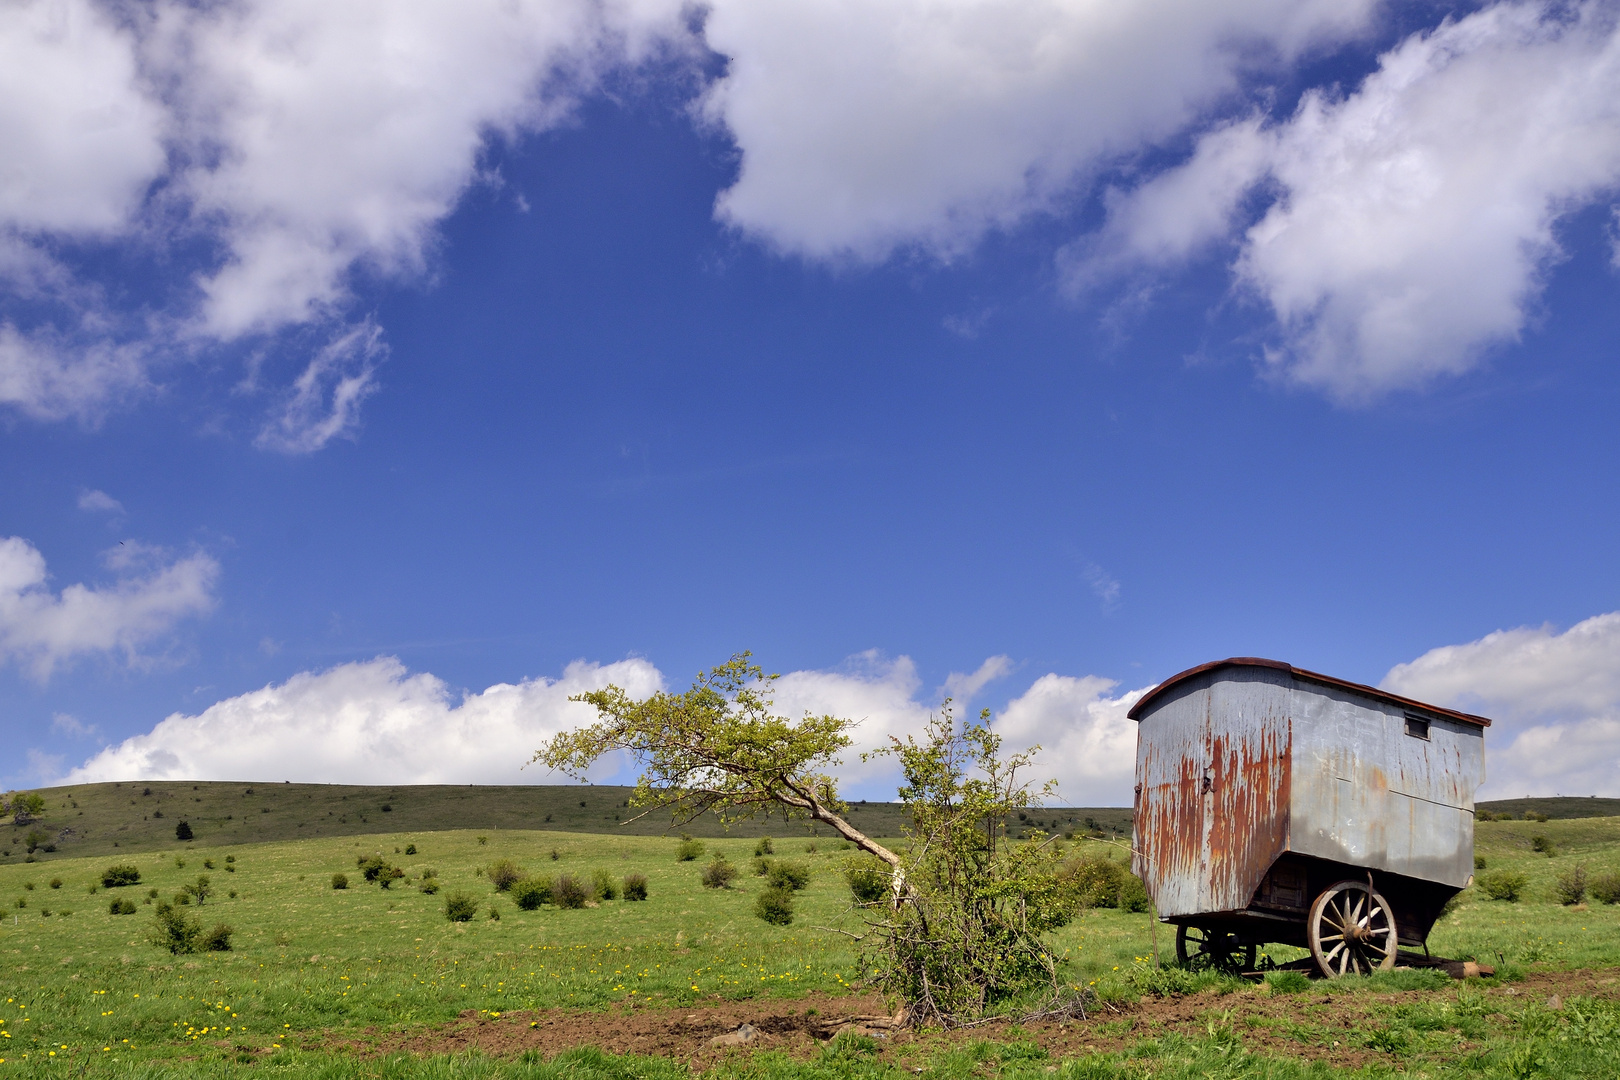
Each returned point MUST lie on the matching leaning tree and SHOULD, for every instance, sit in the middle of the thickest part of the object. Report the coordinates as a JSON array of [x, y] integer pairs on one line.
[[960, 931]]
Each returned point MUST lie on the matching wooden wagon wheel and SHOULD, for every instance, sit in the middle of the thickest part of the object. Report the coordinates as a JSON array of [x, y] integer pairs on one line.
[[1200, 947], [1352, 931]]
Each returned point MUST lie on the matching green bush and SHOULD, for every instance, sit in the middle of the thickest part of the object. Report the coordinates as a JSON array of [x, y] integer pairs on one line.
[[120, 874], [503, 874], [230, 858], [688, 849], [775, 906], [531, 892], [56, 883], [410, 849], [174, 931], [1543, 845], [1100, 882], [569, 892], [429, 885], [340, 881], [869, 879], [1570, 886], [760, 865], [1606, 887], [603, 885], [1133, 895], [1506, 885], [764, 847], [121, 907], [208, 864], [459, 907], [786, 875], [218, 939], [635, 886], [719, 874], [183, 831], [1479, 862]]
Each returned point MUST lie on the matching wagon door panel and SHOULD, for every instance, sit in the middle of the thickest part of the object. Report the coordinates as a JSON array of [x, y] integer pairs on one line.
[[1246, 809], [1169, 818]]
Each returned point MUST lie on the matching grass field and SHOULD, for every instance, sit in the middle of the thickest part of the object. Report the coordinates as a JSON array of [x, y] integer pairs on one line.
[[99, 819], [311, 965]]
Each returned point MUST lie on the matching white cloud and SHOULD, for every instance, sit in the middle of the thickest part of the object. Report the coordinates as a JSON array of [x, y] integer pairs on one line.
[[1555, 698], [369, 723], [99, 502], [324, 402], [963, 687], [52, 377], [1087, 743], [40, 629], [869, 127], [1413, 221], [72, 726]]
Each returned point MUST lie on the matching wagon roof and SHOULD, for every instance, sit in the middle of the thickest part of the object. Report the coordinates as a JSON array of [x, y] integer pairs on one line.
[[1308, 676]]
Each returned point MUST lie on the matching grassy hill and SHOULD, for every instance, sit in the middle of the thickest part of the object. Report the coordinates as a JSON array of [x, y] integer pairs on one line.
[[1563, 806], [96, 819]]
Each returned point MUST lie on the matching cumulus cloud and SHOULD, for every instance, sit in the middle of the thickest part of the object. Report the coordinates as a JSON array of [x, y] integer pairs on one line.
[[99, 502], [306, 140], [40, 629], [368, 723], [1409, 225], [1555, 698], [926, 123], [1087, 743]]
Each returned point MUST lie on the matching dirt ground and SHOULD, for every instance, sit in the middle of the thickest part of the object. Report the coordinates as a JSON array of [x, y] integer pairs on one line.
[[798, 1027]]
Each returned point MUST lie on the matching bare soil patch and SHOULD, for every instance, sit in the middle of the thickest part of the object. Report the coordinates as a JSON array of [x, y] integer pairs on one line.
[[1314, 1025]]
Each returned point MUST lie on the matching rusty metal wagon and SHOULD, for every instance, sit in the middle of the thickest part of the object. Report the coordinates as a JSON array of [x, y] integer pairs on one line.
[[1275, 805]]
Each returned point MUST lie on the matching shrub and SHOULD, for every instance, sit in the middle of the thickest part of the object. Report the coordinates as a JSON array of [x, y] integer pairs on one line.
[[569, 892], [775, 906], [183, 831], [869, 879], [56, 883], [429, 885], [688, 849], [230, 858], [1479, 862], [786, 875], [1506, 885], [764, 847], [1484, 815], [208, 864], [1570, 886], [603, 885], [174, 931], [761, 865], [635, 886], [340, 881], [811, 848], [1543, 845], [503, 874], [218, 939], [555, 854], [1133, 895], [459, 907], [1605, 887], [120, 874], [1100, 882], [1536, 815], [531, 892], [719, 874], [121, 906], [410, 849], [92, 888]]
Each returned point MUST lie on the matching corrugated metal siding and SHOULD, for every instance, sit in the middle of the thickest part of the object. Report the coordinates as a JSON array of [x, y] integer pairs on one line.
[[1212, 810]]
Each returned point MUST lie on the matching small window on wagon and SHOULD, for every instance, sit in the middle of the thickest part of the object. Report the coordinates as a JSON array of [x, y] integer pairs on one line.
[[1417, 726]]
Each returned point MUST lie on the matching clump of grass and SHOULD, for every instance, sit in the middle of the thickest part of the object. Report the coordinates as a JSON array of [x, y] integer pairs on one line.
[[775, 906], [340, 881], [1506, 885], [1287, 982], [1605, 887], [531, 892], [503, 874], [787, 875], [459, 907], [56, 883], [635, 886], [603, 885], [688, 849], [569, 892], [719, 874], [1570, 886]]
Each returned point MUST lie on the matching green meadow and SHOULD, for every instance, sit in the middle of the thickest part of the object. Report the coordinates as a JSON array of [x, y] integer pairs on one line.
[[87, 992]]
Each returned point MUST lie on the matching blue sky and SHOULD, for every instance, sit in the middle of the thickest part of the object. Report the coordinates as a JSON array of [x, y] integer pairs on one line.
[[341, 383]]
